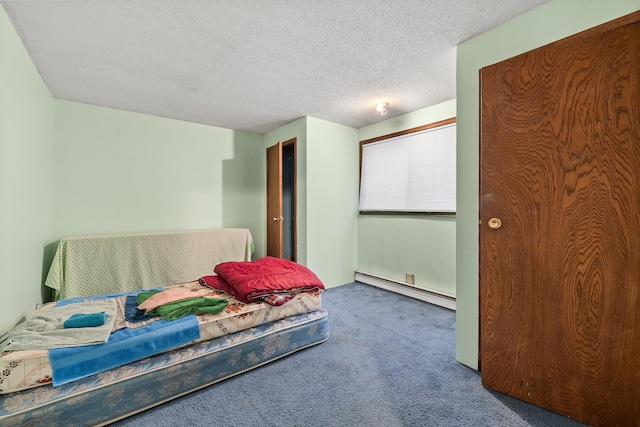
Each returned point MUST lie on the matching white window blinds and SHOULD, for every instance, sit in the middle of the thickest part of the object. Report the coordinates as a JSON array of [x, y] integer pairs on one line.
[[415, 172]]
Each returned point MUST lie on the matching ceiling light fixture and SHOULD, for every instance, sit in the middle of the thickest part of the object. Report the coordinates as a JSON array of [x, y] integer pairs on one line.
[[382, 108]]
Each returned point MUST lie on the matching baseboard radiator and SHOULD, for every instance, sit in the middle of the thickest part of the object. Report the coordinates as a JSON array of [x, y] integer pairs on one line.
[[433, 297]]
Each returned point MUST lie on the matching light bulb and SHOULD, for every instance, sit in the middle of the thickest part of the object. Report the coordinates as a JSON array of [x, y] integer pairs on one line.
[[382, 108]]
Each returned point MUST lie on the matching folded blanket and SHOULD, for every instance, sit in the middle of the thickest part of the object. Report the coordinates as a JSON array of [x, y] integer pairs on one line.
[[177, 309], [85, 320], [132, 314], [169, 296], [202, 305], [124, 346], [45, 329], [262, 279], [128, 314]]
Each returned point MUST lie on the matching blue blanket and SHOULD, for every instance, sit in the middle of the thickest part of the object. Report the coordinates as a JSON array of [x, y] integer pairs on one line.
[[124, 346]]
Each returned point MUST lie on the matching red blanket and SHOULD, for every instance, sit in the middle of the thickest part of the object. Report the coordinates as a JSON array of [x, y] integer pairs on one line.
[[271, 279]]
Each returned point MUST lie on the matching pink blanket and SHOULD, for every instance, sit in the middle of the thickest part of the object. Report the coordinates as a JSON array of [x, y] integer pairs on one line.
[[170, 295], [273, 280]]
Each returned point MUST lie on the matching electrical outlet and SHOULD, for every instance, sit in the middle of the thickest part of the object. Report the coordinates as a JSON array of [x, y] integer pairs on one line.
[[410, 279]]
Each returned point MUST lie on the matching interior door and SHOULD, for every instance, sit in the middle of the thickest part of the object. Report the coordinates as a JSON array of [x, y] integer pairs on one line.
[[274, 201], [560, 225]]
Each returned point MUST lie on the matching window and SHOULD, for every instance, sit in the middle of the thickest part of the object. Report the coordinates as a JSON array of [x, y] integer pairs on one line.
[[410, 171]]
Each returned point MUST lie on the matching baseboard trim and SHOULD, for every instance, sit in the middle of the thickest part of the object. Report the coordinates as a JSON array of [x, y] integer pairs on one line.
[[433, 297]]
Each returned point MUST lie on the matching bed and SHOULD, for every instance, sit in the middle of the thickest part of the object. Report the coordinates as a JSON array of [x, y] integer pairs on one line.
[[252, 329]]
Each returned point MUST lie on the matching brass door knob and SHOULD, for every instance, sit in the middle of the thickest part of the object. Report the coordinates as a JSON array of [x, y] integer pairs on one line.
[[278, 218], [494, 223]]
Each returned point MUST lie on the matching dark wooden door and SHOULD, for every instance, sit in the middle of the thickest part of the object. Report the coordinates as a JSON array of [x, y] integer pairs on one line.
[[274, 200], [560, 225]]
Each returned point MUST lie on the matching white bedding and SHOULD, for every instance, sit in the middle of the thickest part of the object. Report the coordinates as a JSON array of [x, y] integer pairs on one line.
[[45, 329]]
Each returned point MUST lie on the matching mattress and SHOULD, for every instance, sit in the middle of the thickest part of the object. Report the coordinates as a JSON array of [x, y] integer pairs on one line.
[[24, 369], [115, 394]]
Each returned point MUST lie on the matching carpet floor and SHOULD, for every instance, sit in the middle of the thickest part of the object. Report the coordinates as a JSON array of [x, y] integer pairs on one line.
[[390, 361]]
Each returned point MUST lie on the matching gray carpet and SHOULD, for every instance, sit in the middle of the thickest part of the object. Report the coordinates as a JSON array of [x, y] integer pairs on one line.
[[390, 361]]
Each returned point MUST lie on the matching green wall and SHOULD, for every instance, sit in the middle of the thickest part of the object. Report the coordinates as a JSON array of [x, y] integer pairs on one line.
[[119, 172], [393, 245], [296, 129], [26, 177], [332, 200], [541, 26], [327, 195]]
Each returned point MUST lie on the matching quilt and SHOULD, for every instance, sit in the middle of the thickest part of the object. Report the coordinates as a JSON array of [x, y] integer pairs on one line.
[[269, 279]]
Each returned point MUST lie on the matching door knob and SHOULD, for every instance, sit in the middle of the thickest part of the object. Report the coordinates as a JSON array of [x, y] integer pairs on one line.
[[278, 218], [494, 223]]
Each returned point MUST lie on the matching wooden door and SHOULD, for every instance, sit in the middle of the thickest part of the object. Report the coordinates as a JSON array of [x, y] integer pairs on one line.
[[274, 200], [560, 261]]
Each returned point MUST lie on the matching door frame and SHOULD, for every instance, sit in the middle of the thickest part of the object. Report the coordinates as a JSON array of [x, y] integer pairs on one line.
[[273, 200], [293, 142], [271, 195]]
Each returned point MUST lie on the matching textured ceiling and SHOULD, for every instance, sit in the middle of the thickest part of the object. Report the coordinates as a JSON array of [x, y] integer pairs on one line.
[[254, 65]]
